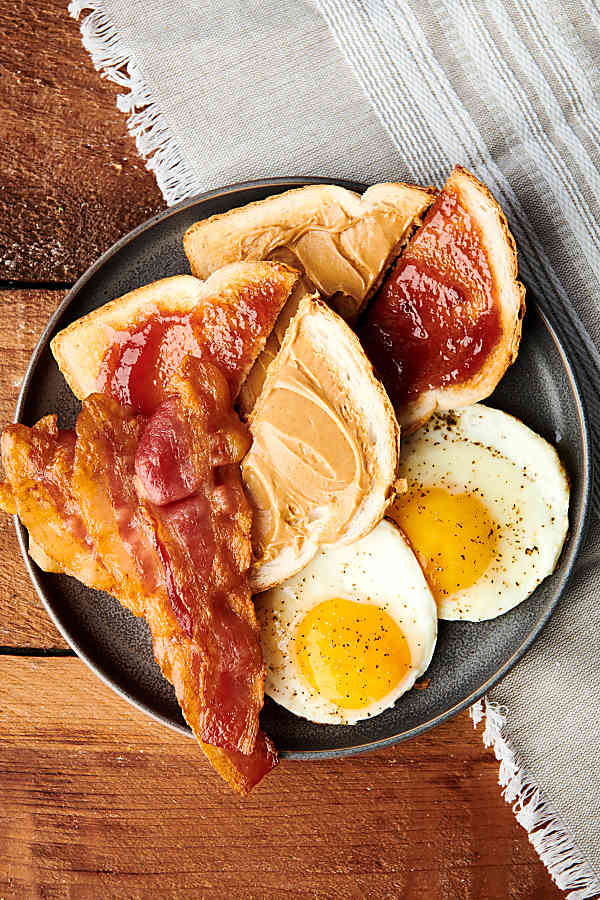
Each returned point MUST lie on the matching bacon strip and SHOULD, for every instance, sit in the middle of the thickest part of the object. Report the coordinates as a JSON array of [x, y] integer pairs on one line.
[[103, 480], [173, 542], [38, 463], [7, 499], [201, 523]]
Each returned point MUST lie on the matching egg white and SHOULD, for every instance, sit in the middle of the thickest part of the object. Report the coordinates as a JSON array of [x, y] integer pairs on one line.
[[519, 478], [380, 569]]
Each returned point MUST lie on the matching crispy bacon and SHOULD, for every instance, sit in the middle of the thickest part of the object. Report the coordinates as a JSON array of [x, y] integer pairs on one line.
[[204, 545], [163, 462], [173, 539], [7, 499], [178, 658], [107, 440], [38, 463]]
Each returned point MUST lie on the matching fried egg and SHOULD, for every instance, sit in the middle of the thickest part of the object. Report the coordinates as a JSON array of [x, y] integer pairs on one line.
[[486, 510], [350, 633]]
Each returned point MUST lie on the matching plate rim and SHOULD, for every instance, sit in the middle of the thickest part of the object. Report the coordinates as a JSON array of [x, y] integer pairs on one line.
[[578, 527]]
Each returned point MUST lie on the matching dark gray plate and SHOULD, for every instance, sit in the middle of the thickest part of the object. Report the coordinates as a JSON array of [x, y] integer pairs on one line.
[[540, 389]]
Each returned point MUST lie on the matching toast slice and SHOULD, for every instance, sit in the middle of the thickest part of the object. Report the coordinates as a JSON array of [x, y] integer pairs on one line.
[[226, 318], [341, 241], [446, 323], [323, 462]]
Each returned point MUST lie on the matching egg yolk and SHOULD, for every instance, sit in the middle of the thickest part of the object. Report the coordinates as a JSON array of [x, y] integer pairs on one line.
[[351, 653], [453, 535]]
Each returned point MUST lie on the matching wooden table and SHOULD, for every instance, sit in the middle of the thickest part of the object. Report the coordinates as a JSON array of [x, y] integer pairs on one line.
[[96, 799]]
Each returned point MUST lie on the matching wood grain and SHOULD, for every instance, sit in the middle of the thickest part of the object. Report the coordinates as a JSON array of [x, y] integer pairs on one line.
[[99, 801], [71, 181], [23, 621]]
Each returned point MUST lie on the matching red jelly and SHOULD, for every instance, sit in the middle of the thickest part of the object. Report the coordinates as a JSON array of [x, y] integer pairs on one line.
[[140, 362], [436, 318], [230, 333]]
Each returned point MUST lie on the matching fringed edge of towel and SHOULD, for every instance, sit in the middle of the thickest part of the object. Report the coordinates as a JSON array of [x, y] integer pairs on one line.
[[146, 123], [551, 840]]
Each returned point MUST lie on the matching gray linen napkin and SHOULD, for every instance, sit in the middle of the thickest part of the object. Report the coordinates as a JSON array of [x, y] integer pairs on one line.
[[382, 89]]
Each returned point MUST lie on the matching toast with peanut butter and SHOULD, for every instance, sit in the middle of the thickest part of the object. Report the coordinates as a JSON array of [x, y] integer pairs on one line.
[[324, 457]]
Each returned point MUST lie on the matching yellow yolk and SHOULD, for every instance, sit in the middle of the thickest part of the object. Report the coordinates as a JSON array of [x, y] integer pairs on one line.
[[352, 653], [453, 535]]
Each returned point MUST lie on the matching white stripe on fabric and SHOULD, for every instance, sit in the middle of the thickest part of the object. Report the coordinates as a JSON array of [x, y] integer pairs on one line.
[[593, 12], [379, 72]]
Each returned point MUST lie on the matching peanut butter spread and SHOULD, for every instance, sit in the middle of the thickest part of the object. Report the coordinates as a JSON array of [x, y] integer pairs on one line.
[[306, 472], [343, 256], [342, 241], [252, 386]]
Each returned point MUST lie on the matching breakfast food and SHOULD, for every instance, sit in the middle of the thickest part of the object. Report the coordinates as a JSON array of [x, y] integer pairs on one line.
[[346, 637], [38, 464], [486, 509], [251, 388], [340, 241], [172, 530], [130, 347], [161, 496], [446, 323], [325, 441]]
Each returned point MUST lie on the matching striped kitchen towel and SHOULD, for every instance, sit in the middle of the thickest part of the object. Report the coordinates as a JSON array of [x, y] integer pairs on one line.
[[387, 90]]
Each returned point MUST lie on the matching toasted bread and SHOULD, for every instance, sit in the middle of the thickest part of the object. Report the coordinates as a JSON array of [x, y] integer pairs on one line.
[[323, 463], [343, 242], [81, 348], [438, 248]]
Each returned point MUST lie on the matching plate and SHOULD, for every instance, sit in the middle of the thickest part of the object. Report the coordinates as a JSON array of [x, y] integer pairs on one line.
[[540, 388]]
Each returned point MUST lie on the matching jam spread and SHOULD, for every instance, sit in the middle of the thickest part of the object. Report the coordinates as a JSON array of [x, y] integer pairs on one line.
[[436, 318], [139, 363]]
